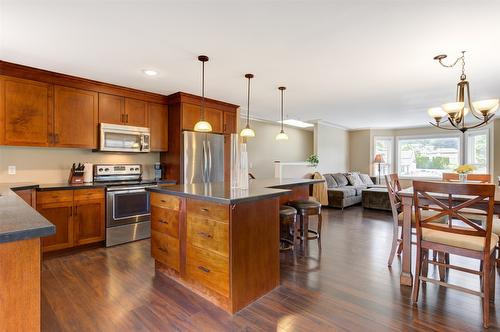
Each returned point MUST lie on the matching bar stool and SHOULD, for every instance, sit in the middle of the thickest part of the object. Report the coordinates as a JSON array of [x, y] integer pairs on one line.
[[305, 209], [288, 217]]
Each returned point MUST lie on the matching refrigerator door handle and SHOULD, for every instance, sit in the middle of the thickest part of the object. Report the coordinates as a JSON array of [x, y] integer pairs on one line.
[[205, 159], [209, 177]]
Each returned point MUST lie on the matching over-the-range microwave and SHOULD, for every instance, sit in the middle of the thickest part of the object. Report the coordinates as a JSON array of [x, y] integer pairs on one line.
[[119, 138]]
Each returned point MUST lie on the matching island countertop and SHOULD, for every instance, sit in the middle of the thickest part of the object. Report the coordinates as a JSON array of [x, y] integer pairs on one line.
[[18, 220], [221, 192]]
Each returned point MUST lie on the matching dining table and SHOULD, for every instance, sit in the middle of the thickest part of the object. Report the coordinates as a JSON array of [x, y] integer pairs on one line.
[[406, 195]]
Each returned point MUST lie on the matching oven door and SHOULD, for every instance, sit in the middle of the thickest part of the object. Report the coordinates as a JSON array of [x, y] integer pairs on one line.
[[127, 207]]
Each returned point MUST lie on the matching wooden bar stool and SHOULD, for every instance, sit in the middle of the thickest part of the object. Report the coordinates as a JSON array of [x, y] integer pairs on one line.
[[288, 217], [305, 209]]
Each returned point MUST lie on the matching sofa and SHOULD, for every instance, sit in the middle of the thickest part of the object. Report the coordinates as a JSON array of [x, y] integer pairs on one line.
[[346, 189]]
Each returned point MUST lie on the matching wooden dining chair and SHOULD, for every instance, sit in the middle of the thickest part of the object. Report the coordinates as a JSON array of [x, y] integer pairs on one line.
[[460, 236], [483, 178]]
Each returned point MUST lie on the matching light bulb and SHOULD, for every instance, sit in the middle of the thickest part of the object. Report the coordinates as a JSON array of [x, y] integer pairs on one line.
[[203, 126]]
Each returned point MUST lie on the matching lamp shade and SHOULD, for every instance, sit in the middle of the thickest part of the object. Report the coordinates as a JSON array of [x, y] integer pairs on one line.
[[486, 106], [436, 112], [379, 159], [281, 136], [247, 132], [203, 126], [453, 108]]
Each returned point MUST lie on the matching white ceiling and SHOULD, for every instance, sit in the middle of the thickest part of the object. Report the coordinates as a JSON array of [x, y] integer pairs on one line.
[[356, 64]]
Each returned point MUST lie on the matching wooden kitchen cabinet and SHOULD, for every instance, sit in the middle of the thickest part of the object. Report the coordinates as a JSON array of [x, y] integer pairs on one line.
[[75, 117], [215, 118], [26, 108], [61, 215], [158, 125], [192, 114], [122, 111], [79, 217], [89, 221], [230, 122]]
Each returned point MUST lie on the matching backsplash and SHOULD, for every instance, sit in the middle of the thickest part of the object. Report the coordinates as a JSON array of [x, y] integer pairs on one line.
[[52, 165]]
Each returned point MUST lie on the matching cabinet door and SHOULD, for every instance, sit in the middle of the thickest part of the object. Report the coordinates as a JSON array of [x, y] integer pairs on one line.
[[229, 122], [75, 117], [158, 124], [89, 221], [136, 113], [60, 214], [190, 115], [215, 118], [111, 109], [26, 108]]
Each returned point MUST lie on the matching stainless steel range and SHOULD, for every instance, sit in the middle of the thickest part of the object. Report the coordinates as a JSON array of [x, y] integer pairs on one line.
[[128, 216]]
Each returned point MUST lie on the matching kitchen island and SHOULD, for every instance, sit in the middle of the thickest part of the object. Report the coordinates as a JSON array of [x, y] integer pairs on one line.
[[222, 243]]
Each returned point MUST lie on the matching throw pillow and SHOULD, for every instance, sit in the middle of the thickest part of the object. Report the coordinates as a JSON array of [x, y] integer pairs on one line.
[[354, 179], [366, 179], [340, 179], [330, 181]]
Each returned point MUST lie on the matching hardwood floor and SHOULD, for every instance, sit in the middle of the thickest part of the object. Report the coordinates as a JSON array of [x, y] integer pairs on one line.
[[345, 286]]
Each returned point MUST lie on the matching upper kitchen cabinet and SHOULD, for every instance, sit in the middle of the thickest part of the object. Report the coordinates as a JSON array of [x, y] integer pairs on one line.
[[26, 109], [158, 124], [229, 122], [191, 114], [75, 118], [136, 113], [120, 110], [111, 109]]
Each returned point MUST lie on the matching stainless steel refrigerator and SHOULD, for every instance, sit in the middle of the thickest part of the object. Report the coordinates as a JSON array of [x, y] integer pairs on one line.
[[203, 157]]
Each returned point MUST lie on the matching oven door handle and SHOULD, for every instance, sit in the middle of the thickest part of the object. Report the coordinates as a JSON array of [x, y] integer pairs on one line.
[[120, 191]]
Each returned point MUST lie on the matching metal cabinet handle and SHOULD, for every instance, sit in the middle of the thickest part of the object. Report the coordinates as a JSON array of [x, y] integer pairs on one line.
[[163, 249], [163, 201], [163, 221], [204, 269], [204, 234], [126, 118], [204, 209]]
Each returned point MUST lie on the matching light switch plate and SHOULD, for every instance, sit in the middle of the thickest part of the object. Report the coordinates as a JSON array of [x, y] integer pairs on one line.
[[12, 170]]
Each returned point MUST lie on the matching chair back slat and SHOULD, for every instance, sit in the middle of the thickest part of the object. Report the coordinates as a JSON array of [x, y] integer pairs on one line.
[[449, 199], [392, 183], [483, 178]]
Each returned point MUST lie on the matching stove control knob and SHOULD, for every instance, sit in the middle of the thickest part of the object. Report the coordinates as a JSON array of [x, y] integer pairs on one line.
[[137, 168], [100, 169], [106, 169]]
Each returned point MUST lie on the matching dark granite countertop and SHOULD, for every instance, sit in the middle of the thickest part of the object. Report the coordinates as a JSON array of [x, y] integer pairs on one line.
[[18, 220], [220, 192], [69, 186]]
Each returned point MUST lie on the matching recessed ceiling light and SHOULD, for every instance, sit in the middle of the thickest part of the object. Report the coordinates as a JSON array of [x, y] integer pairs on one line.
[[150, 72], [297, 123]]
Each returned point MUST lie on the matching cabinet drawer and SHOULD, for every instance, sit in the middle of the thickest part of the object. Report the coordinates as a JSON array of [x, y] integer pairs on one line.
[[87, 194], [165, 201], [54, 196], [165, 221], [210, 210], [208, 234], [165, 249], [208, 268]]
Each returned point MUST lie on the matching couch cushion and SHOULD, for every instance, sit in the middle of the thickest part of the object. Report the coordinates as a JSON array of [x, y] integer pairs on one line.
[[330, 181], [342, 192], [354, 179], [340, 179], [359, 189], [366, 179]]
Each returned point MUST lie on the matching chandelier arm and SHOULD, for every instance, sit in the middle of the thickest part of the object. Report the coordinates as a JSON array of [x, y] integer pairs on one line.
[[452, 123], [438, 126]]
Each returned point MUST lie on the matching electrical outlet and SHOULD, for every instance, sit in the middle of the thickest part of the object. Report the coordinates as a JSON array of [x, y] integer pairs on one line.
[[12, 170]]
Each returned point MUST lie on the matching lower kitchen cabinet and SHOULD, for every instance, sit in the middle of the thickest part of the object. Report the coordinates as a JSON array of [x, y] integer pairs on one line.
[[61, 215], [89, 221], [79, 217]]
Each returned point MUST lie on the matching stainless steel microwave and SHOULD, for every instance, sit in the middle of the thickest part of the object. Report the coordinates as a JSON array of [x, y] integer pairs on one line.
[[119, 138]]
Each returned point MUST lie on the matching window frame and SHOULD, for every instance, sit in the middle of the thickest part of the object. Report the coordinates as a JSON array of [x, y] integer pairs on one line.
[[393, 161], [489, 157], [428, 136]]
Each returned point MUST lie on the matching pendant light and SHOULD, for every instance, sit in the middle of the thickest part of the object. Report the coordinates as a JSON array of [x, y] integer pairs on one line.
[[202, 125], [247, 131], [282, 136]]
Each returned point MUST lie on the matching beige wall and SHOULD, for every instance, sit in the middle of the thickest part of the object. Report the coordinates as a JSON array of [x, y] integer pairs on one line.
[[331, 144], [263, 149], [360, 151], [52, 165]]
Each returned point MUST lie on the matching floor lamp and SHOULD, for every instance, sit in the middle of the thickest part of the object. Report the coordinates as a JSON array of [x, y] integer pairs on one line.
[[379, 159]]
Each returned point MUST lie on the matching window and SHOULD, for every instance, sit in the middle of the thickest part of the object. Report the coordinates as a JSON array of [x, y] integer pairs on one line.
[[383, 145], [428, 157], [477, 153]]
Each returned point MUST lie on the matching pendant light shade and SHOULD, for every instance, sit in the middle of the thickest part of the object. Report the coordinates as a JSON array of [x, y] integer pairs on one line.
[[247, 131], [281, 135], [202, 125]]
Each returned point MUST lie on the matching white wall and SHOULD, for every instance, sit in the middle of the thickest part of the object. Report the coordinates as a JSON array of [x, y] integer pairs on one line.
[[331, 144], [52, 165], [263, 149]]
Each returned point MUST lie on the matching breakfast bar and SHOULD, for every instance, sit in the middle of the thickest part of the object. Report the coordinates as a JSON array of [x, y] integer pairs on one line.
[[219, 242]]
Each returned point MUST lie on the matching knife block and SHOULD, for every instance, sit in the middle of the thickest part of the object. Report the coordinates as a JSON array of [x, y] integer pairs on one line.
[[75, 177]]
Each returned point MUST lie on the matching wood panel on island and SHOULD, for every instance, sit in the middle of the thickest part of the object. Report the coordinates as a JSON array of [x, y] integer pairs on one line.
[[48, 109], [79, 217], [183, 113]]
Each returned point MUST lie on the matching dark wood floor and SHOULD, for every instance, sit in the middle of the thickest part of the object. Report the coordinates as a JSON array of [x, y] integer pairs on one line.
[[345, 287]]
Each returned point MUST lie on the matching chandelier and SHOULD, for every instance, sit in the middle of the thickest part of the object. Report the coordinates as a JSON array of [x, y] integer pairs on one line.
[[455, 112]]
